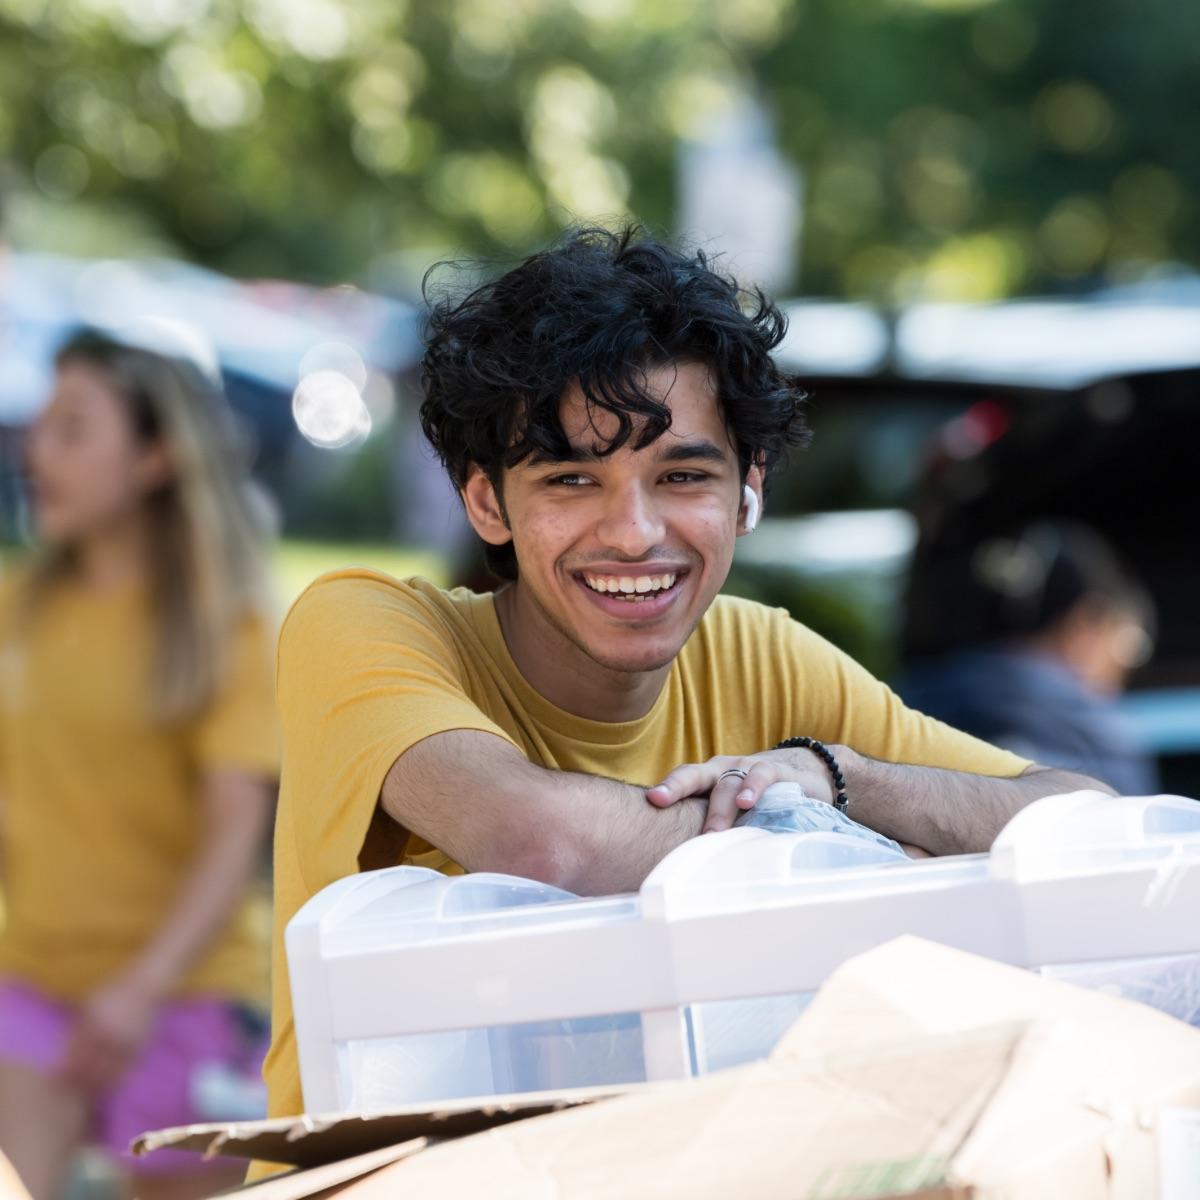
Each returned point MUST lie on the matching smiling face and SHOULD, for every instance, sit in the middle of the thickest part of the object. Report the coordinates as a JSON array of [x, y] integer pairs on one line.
[[620, 556]]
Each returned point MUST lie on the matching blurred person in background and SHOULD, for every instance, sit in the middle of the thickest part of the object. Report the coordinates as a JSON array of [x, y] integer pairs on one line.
[[1068, 624], [138, 752]]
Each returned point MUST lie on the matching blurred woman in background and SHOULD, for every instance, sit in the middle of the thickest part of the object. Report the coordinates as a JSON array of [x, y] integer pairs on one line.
[[137, 760]]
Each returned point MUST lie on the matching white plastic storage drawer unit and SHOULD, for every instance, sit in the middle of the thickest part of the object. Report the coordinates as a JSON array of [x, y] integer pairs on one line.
[[410, 987], [1110, 894], [757, 921]]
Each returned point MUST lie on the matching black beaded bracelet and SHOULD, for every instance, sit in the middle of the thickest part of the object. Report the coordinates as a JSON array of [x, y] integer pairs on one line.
[[840, 801]]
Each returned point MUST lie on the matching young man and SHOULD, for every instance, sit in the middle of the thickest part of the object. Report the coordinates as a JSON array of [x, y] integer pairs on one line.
[[610, 415]]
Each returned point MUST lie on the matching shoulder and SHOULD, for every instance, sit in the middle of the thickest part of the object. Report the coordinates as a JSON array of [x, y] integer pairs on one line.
[[735, 622], [362, 603], [764, 641], [360, 588], [736, 635]]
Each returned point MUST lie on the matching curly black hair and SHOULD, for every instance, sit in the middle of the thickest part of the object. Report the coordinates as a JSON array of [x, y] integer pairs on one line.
[[599, 308]]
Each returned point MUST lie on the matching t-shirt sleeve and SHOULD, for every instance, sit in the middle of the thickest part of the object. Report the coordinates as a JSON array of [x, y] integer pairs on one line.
[[844, 702], [239, 728], [366, 670]]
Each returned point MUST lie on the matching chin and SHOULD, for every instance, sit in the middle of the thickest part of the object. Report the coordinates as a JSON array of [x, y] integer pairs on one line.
[[634, 661]]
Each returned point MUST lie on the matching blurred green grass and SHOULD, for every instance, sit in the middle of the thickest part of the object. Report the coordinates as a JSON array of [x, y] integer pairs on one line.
[[296, 564]]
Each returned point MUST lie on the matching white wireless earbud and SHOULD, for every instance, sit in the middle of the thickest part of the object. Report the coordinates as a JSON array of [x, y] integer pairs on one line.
[[751, 498]]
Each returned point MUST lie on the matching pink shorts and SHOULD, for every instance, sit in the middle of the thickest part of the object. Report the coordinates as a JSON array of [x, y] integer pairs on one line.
[[156, 1091]]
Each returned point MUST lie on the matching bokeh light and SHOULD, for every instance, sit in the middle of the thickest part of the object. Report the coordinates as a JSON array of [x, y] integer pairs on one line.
[[329, 410], [1075, 116], [335, 356]]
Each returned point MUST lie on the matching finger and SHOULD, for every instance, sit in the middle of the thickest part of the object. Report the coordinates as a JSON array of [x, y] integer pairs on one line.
[[722, 802], [761, 776], [733, 794], [690, 779]]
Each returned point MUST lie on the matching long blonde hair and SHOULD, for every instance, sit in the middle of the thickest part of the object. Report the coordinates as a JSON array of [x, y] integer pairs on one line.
[[209, 525]]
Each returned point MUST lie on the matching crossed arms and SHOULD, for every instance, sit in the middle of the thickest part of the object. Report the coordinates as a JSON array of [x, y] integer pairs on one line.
[[482, 802]]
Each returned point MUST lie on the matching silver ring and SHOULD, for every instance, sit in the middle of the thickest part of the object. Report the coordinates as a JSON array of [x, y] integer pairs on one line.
[[733, 771]]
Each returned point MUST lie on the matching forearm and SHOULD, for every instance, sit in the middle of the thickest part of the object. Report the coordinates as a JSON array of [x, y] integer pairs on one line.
[[608, 837], [946, 812], [214, 884], [486, 806]]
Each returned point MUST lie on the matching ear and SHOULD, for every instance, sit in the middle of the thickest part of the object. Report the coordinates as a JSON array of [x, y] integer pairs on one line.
[[484, 510], [750, 509]]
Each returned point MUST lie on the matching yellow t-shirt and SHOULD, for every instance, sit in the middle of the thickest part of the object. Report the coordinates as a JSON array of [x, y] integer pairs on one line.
[[101, 812], [369, 666]]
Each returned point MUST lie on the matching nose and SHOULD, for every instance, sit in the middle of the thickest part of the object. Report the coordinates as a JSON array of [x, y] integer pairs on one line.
[[630, 524]]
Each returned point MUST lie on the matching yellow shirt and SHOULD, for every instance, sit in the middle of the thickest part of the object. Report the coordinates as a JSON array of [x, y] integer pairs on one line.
[[101, 812], [369, 666]]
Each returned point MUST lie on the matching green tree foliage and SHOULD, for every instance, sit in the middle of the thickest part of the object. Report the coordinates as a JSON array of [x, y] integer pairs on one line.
[[951, 148], [970, 150]]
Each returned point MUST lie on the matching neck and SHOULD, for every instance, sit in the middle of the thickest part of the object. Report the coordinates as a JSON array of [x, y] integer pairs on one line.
[[556, 668], [114, 556]]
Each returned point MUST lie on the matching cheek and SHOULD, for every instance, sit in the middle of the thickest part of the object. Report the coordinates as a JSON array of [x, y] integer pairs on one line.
[[545, 536], [99, 476], [710, 526]]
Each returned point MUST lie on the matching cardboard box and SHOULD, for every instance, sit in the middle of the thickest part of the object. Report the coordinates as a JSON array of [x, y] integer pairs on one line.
[[918, 1071], [310, 1141]]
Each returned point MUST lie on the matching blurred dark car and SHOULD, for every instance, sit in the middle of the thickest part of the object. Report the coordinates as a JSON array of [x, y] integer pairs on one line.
[[978, 420]]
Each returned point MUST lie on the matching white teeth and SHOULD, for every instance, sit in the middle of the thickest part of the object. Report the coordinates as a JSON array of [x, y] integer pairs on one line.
[[634, 587]]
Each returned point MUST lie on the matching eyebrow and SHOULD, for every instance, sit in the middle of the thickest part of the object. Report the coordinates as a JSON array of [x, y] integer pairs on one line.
[[698, 450], [701, 450]]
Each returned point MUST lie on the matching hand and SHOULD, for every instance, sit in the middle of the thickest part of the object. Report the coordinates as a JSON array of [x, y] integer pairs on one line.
[[732, 795], [113, 1025]]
